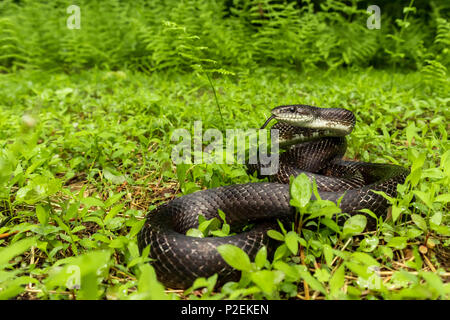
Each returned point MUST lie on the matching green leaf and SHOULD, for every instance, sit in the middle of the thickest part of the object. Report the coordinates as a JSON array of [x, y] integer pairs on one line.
[[417, 159], [267, 280], [434, 173], [418, 262], [113, 199], [436, 218], [322, 275], [275, 235], [396, 211], [15, 249], [368, 244], [235, 257], [291, 240], [203, 283], [386, 251], [301, 190], [313, 282], [364, 258], [261, 257], [425, 197], [209, 225], [42, 215], [193, 232], [115, 179], [280, 252], [403, 279], [369, 212], [434, 281], [289, 270], [12, 288], [113, 212], [331, 224], [148, 286], [222, 215], [337, 280], [398, 242], [444, 198], [354, 225], [328, 254], [92, 202], [419, 221]]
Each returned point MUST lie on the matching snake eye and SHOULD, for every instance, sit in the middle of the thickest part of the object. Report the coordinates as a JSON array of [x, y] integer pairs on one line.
[[292, 109]]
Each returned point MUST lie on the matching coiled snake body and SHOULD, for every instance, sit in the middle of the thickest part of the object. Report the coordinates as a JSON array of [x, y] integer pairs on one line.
[[315, 142]]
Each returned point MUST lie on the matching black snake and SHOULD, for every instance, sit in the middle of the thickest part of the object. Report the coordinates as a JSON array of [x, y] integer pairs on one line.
[[315, 142]]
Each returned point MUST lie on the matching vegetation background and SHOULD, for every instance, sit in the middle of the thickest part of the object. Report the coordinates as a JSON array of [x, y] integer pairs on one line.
[[86, 117]]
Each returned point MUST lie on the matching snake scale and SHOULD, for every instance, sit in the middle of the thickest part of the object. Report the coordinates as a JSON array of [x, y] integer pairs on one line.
[[314, 143]]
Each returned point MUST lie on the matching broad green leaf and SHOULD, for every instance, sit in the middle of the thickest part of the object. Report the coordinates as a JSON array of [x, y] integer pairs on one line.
[[322, 275], [331, 224], [364, 258], [313, 282], [83, 271], [275, 235], [417, 159], [222, 215], [113, 199], [15, 249], [12, 288], [148, 286], [354, 225], [301, 190], [434, 173], [202, 282], [328, 254], [445, 162], [113, 212], [368, 244], [419, 221], [267, 280], [434, 281], [436, 218], [411, 131], [337, 280], [426, 197], [418, 262], [396, 211], [261, 257], [369, 212], [42, 215], [291, 240], [235, 257], [359, 269], [386, 251], [92, 202], [115, 179], [403, 279], [444, 198], [209, 225], [280, 252], [289, 270], [193, 232], [397, 242]]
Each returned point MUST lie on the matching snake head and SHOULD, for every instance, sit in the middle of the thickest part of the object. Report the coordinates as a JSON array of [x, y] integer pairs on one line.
[[298, 115], [336, 121]]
